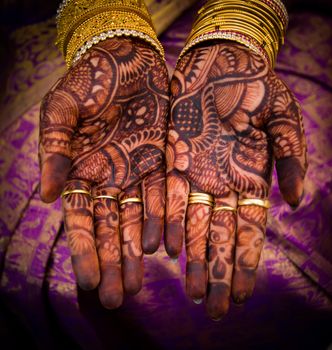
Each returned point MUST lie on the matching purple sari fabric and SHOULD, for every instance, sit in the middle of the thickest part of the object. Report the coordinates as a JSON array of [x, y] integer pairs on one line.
[[291, 307]]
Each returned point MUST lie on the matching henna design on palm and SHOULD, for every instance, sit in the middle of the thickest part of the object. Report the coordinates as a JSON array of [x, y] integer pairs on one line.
[[231, 116], [103, 129]]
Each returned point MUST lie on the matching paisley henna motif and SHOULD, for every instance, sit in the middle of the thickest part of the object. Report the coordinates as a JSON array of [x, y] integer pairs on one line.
[[230, 117], [103, 127]]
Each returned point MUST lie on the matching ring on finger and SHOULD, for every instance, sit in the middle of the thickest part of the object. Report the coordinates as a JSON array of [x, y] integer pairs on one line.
[[131, 200], [265, 203], [76, 191], [106, 196], [224, 207], [201, 198]]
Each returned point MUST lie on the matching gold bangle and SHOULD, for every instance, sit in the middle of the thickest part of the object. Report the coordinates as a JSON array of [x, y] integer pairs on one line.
[[258, 24], [265, 203], [106, 197], [84, 23], [224, 207], [131, 200], [77, 191], [228, 35]]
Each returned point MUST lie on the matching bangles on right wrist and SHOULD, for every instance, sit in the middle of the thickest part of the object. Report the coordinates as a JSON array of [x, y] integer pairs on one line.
[[258, 24]]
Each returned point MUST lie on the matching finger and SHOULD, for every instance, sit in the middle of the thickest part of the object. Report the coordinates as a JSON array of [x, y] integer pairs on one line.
[[108, 248], [251, 225], [153, 189], [286, 130], [197, 228], [131, 223], [78, 221], [58, 118], [221, 254], [177, 191]]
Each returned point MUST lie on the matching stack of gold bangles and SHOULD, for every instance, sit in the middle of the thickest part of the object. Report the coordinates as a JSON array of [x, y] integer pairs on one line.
[[258, 24], [103, 196], [84, 23], [207, 199]]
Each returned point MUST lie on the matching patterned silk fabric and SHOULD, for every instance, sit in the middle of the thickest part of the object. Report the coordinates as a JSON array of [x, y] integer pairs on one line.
[[292, 299]]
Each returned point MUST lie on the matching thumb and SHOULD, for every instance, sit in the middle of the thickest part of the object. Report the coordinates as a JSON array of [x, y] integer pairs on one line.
[[58, 119], [285, 128]]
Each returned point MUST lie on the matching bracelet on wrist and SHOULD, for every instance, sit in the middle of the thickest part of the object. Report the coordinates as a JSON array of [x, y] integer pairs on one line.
[[258, 24], [84, 23]]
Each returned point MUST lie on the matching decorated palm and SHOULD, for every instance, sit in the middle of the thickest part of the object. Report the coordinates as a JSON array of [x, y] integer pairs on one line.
[[102, 142], [230, 117]]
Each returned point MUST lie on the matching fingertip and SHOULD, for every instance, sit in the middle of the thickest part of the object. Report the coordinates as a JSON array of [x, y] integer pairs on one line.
[[111, 287], [133, 275], [291, 180], [243, 285], [110, 300], [174, 239], [54, 174], [152, 232], [240, 298], [196, 279], [86, 269], [294, 207], [217, 304], [87, 283]]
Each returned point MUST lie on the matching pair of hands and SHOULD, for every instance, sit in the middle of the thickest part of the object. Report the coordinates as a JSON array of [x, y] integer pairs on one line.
[[109, 127]]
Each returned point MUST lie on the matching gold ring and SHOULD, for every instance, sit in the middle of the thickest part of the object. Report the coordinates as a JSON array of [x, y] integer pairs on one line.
[[201, 198], [265, 203], [200, 201], [201, 195], [106, 196], [131, 200], [224, 207], [66, 193]]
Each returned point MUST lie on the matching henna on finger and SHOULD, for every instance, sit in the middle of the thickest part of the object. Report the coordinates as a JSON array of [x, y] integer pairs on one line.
[[221, 254], [131, 223], [108, 245], [78, 223], [153, 188], [251, 226], [197, 228], [177, 191], [285, 126]]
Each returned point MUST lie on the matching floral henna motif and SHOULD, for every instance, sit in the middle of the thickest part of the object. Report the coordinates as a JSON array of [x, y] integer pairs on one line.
[[230, 117], [131, 222], [104, 125]]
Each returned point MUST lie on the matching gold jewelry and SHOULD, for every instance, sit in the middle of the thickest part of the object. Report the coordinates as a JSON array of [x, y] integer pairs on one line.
[[258, 24], [131, 200], [201, 198], [106, 196], [224, 207], [66, 193], [83, 23], [265, 203]]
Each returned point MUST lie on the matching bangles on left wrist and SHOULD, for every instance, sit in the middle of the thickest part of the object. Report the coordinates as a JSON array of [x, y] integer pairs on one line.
[[83, 23]]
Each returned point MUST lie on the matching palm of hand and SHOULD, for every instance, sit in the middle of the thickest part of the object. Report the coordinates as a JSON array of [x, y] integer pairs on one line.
[[229, 115], [103, 130]]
